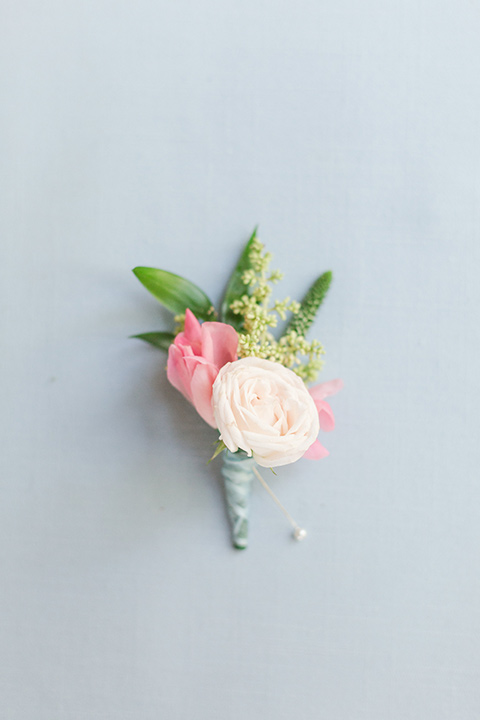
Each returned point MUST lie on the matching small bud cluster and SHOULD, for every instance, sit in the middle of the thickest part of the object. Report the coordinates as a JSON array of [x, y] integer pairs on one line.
[[259, 316], [179, 323]]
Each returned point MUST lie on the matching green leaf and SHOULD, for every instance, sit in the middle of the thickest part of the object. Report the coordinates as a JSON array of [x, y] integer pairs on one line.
[[161, 340], [236, 287], [175, 292], [310, 304], [220, 448]]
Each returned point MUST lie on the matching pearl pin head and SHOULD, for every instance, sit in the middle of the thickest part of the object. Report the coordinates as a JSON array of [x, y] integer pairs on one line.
[[299, 533]]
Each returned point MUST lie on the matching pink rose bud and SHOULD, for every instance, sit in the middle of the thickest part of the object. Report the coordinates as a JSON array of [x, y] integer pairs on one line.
[[195, 358]]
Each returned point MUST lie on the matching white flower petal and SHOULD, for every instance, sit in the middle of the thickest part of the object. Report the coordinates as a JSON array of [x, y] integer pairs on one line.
[[265, 409]]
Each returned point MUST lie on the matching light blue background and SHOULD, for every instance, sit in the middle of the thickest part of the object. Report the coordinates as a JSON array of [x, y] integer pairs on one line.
[[160, 133]]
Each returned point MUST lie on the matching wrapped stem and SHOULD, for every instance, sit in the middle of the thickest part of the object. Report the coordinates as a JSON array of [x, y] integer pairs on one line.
[[237, 474]]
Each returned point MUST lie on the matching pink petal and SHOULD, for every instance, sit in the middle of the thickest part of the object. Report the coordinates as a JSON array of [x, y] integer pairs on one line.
[[182, 342], [201, 385], [192, 332], [319, 392], [316, 451], [219, 343], [207, 349], [177, 372], [325, 415]]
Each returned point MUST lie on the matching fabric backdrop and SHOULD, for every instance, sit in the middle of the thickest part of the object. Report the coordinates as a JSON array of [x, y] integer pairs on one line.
[[160, 133]]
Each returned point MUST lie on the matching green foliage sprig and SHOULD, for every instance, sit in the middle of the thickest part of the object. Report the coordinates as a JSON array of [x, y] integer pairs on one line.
[[236, 286], [175, 292], [249, 308], [257, 315], [161, 340], [310, 304]]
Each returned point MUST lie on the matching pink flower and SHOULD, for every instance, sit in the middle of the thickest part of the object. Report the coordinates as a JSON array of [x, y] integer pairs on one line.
[[325, 415], [195, 358]]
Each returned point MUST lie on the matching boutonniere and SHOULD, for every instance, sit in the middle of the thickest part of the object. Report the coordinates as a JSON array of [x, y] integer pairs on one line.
[[244, 379]]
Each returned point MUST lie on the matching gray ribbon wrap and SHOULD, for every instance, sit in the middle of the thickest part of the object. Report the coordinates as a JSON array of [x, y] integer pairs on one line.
[[237, 474]]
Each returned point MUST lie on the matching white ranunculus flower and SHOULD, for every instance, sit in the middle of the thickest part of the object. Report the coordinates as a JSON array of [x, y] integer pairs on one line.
[[265, 409]]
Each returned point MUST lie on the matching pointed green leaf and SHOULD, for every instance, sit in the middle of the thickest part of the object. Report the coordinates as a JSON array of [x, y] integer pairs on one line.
[[236, 287], [175, 292], [220, 448], [310, 304], [161, 340]]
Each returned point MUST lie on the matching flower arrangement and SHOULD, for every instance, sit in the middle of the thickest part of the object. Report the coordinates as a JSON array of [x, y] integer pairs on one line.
[[242, 380]]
